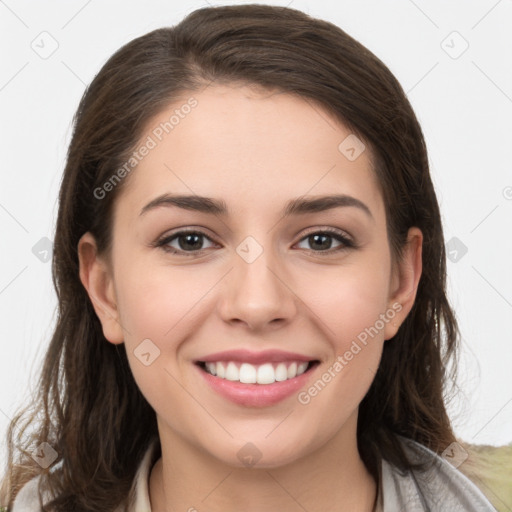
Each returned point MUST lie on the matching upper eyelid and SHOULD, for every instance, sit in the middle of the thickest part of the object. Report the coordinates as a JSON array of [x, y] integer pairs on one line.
[[186, 231], [329, 230]]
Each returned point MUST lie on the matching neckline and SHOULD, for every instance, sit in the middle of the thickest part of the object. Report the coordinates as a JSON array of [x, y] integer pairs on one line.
[[142, 502]]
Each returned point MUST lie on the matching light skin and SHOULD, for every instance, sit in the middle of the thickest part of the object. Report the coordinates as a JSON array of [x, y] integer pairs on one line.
[[255, 151]]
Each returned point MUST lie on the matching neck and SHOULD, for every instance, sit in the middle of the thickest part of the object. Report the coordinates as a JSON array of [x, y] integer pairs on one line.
[[331, 477]]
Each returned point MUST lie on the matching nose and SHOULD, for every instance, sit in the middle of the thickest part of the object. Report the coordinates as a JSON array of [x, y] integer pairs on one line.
[[258, 294]]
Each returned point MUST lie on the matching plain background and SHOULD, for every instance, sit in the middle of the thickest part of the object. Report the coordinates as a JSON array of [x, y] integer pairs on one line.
[[452, 59]]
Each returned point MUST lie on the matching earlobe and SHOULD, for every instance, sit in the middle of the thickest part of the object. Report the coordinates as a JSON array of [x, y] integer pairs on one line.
[[405, 279], [98, 281]]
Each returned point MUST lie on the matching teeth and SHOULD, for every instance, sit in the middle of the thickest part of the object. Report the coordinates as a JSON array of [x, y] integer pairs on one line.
[[232, 372], [281, 372], [292, 370], [247, 373], [266, 374], [301, 368]]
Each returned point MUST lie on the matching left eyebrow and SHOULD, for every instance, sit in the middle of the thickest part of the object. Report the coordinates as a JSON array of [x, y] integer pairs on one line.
[[322, 203], [297, 206]]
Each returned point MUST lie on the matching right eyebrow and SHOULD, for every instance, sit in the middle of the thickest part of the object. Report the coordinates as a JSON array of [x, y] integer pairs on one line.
[[196, 203]]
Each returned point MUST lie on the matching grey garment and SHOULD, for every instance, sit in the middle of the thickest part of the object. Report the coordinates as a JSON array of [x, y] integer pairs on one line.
[[440, 488]]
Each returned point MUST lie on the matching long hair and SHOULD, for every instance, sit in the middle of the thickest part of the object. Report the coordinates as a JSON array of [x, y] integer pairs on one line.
[[88, 407]]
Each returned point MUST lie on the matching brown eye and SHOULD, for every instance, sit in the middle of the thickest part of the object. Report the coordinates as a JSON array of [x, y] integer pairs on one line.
[[185, 241], [326, 241]]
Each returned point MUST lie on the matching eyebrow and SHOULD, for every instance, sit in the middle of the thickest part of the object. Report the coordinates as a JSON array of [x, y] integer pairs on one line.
[[299, 205]]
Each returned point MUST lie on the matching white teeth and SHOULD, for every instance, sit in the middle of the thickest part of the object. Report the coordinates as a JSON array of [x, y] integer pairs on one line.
[[247, 373], [292, 370], [301, 368], [232, 372], [212, 368], [266, 374], [281, 372], [220, 369]]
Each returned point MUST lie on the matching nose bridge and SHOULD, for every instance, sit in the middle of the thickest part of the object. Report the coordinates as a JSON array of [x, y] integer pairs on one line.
[[256, 294]]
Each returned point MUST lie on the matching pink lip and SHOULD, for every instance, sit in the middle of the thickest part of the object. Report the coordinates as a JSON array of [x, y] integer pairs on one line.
[[256, 395], [246, 356]]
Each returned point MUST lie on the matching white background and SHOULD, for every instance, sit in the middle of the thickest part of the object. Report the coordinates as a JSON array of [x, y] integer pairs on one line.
[[464, 105]]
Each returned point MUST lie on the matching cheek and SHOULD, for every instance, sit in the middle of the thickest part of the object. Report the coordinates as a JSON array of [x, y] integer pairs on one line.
[[348, 301], [352, 315], [153, 301], [159, 309], [155, 310]]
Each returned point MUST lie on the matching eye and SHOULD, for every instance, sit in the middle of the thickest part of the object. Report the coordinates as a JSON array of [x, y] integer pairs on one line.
[[185, 241], [322, 241], [194, 242]]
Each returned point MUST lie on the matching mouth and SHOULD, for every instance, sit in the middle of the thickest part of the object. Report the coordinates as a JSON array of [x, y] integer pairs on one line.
[[256, 379], [263, 374]]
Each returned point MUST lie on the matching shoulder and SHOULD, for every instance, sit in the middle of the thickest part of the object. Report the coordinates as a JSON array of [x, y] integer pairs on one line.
[[27, 499], [438, 487]]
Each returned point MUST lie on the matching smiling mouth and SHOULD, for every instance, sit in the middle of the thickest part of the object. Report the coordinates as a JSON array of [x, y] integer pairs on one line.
[[264, 374]]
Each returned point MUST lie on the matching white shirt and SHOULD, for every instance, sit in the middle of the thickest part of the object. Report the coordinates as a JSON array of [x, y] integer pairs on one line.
[[441, 488]]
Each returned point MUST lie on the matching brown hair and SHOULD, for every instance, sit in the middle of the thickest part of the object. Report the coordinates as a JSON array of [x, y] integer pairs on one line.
[[89, 408]]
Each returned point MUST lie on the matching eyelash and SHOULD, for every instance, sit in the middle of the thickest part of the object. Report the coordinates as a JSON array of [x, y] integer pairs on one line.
[[346, 242]]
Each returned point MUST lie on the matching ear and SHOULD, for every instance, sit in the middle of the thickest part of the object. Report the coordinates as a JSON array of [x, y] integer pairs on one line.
[[404, 281], [97, 278]]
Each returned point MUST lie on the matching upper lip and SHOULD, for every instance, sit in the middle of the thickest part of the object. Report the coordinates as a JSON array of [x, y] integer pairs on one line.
[[246, 356]]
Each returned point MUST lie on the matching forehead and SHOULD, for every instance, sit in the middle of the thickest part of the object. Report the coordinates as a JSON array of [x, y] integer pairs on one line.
[[249, 145]]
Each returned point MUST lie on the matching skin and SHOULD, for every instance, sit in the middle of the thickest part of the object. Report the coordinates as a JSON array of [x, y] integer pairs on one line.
[[255, 151]]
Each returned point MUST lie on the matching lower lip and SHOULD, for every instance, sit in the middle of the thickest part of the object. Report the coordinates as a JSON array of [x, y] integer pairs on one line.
[[256, 395]]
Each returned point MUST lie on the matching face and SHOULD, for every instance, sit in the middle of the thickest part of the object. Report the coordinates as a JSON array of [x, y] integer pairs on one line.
[[190, 278]]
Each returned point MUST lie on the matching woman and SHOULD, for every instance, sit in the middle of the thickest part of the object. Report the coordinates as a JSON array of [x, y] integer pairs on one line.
[[250, 269]]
